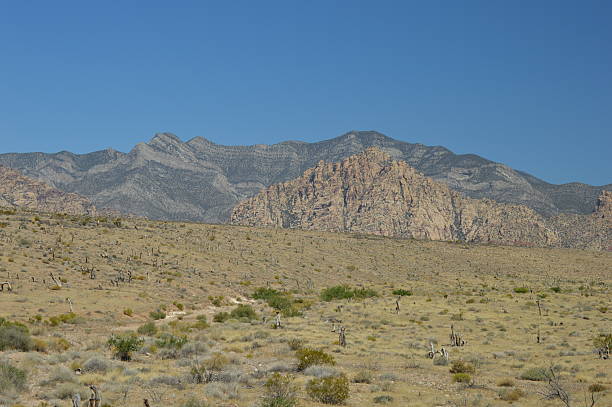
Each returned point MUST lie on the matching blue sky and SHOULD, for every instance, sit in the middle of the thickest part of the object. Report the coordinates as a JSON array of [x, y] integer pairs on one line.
[[527, 83]]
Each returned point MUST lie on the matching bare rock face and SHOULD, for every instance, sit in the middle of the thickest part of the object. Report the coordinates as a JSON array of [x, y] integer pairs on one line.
[[604, 205], [372, 193], [17, 190]]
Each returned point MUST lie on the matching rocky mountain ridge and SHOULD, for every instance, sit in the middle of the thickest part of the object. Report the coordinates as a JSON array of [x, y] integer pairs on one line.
[[198, 180], [372, 193], [17, 190]]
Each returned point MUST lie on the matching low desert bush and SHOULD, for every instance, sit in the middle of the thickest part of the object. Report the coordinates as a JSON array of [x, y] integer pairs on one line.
[[279, 392], [148, 329], [12, 379], [14, 335], [460, 366], [341, 292], [309, 357], [124, 345], [511, 394], [329, 390], [536, 374], [462, 378], [243, 312]]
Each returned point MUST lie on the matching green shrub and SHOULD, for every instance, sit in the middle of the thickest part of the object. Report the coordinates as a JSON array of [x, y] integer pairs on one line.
[[537, 374], [281, 301], [329, 390], [280, 392], [340, 292], [243, 312], [459, 366], [167, 340], [14, 335], [521, 290], [68, 318], [147, 328], [401, 292], [221, 317], [157, 314], [12, 379], [462, 378], [123, 345], [555, 289], [308, 357]]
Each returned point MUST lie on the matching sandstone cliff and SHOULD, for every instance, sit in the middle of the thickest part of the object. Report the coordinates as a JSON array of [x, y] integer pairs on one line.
[[372, 193], [17, 190]]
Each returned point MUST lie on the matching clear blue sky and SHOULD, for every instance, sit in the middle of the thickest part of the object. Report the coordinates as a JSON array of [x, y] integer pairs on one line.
[[524, 82]]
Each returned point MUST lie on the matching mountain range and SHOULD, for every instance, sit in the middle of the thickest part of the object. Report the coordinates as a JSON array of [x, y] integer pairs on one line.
[[373, 194], [199, 180]]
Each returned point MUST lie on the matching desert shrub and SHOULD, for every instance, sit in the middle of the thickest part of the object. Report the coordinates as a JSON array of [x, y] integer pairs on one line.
[[128, 312], [505, 383], [157, 314], [167, 380], [363, 376], [308, 357], [221, 317], [194, 403], [597, 388], [167, 340], [68, 318], [12, 379], [383, 399], [329, 390], [60, 374], [96, 365], [462, 378], [320, 371], [340, 292], [603, 340], [521, 290], [295, 343], [511, 395], [401, 292], [147, 328], [14, 335], [460, 366], [555, 289], [223, 391], [279, 300], [201, 322], [123, 345], [194, 348], [279, 392], [537, 374], [65, 391], [243, 312]]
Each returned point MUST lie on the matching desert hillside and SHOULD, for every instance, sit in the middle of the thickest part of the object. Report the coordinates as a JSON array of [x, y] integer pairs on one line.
[[197, 304]]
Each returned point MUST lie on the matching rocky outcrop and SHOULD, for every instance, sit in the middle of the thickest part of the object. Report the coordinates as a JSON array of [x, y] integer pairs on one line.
[[198, 180], [17, 190], [592, 231], [372, 193]]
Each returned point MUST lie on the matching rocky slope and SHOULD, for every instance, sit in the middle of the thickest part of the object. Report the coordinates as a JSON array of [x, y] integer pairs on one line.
[[17, 190], [201, 181], [372, 193]]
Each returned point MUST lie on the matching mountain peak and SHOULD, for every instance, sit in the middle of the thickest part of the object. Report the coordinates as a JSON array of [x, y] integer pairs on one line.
[[165, 138]]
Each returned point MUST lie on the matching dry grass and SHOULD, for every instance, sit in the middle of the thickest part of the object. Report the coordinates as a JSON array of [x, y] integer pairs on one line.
[[193, 270]]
